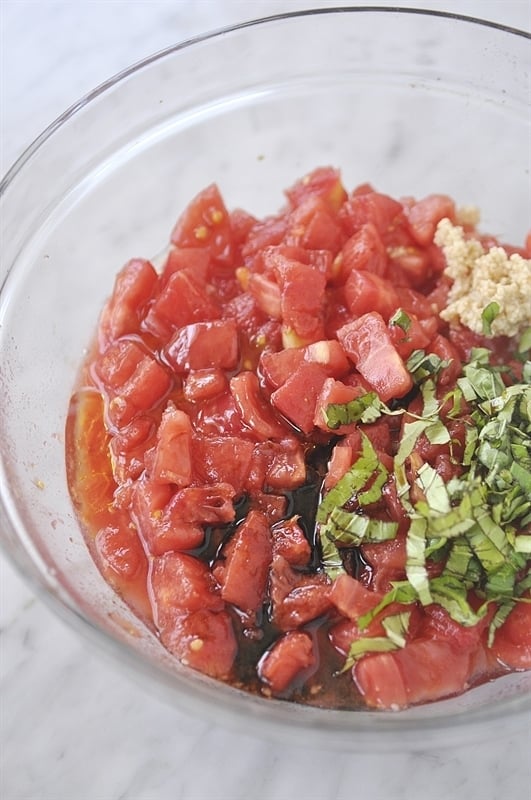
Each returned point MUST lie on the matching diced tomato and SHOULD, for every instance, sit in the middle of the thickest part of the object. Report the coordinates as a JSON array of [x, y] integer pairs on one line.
[[387, 561], [180, 584], [290, 542], [204, 345], [302, 295], [134, 380], [196, 260], [363, 251], [253, 408], [424, 216], [133, 288], [406, 341], [128, 447], [380, 682], [244, 572], [512, 642], [367, 342], [368, 292], [206, 223], [432, 669], [289, 656], [284, 464], [241, 223], [172, 461], [446, 351], [121, 553], [438, 624], [296, 599], [218, 416], [334, 392], [182, 301], [203, 640], [274, 506], [312, 226], [268, 232], [277, 367], [159, 522], [297, 398], [323, 182], [379, 209], [222, 459], [120, 557], [203, 384], [208, 505], [266, 293], [414, 302], [411, 262], [340, 462]]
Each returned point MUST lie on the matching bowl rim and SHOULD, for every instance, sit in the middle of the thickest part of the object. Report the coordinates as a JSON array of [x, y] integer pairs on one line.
[[375, 727]]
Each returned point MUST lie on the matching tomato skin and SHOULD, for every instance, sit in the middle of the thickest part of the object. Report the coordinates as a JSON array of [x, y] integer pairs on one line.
[[203, 384], [243, 573], [405, 342], [121, 553], [133, 380], [290, 655], [180, 584], [204, 345], [133, 288], [203, 640], [254, 410], [194, 259], [296, 598], [367, 342], [159, 524], [290, 542], [207, 505], [205, 223], [323, 182]]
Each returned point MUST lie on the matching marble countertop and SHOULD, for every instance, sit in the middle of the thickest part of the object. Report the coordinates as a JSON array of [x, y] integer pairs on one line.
[[71, 726]]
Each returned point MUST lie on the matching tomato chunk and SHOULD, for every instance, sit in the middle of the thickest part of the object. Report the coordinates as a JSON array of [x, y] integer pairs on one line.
[[289, 656], [133, 288], [204, 345], [297, 398], [172, 462], [203, 640], [243, 574], [206, 223], [367, 342]]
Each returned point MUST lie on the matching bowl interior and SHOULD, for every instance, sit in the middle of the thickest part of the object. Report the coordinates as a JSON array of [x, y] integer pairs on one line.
[[412, 102]]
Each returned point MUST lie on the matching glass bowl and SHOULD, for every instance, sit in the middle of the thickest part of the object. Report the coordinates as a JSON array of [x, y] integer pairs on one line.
[[414, 102]]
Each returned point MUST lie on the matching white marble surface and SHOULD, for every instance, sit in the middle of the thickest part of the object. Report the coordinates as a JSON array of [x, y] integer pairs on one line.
[[71, 727]]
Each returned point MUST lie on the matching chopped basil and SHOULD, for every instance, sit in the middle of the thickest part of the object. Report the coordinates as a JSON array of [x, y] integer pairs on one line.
[[474, 526], [488, 316], [366, 408], [422, 365], [401, 319]]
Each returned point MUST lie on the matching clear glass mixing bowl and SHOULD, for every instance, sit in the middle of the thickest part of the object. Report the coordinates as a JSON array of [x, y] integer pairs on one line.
[[414, 102]]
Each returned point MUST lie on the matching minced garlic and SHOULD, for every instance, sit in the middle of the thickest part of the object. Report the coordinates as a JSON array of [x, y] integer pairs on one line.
[[480, 278]]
